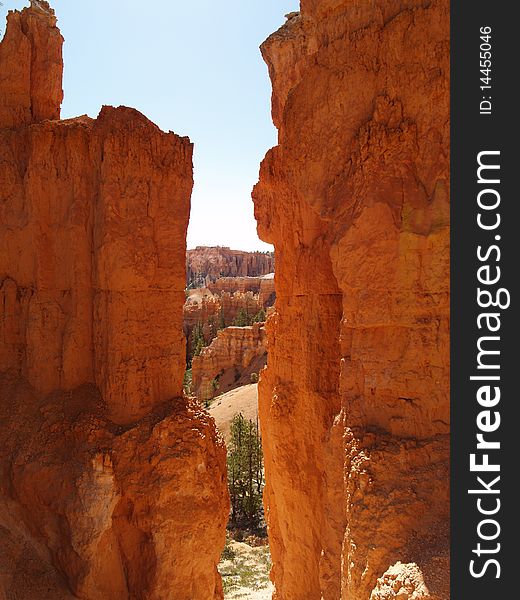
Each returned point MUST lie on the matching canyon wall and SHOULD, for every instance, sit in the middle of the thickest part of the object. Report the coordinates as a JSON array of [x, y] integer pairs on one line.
[[229, 360], [354, 403], [206, 264], [235, 284], [263, 286], [267, 294], [204, 312], [207, 313], [112, 480]]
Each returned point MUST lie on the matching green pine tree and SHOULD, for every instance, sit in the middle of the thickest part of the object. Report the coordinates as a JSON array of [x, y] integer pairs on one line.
[[260, 316], [222, 324], [197, 340], [245, 473], [243, 318]]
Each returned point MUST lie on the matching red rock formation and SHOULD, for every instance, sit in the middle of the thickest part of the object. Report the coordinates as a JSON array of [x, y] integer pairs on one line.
[[267, 294], [263, 286], [235, 284], [111, 512], [201, 309], [405, 582], [31, 68], [203, 314], [207, 264], [95, 292], [213, 312], [229, 360], [354, 404], [112, 478]]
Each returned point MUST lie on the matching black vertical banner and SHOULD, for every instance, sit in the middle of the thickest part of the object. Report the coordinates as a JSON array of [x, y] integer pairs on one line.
[[485, 267]]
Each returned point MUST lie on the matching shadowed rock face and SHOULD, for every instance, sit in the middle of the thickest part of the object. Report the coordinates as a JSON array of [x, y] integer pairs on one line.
[[354, 403], [113, 480]]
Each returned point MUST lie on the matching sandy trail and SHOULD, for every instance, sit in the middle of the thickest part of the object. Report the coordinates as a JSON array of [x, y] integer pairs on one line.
[[245, 572], [240, 400]]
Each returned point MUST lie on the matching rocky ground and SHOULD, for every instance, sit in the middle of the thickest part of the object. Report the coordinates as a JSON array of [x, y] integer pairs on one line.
[[245, 571]]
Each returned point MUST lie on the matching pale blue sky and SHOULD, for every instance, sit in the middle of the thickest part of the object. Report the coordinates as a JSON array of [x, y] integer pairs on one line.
[[192, 67]]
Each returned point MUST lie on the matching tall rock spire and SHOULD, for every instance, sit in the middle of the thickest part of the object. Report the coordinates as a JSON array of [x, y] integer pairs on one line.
[[110, 478], [31, 67]]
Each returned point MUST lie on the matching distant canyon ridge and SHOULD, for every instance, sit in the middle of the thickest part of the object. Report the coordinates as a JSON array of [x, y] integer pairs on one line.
[[206, 264], [224, 315]]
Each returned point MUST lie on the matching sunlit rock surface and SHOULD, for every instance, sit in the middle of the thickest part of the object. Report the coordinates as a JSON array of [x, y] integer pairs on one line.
[[112, 484], [354, 404]]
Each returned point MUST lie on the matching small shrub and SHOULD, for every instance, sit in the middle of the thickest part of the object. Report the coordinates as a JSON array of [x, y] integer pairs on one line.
[[260, 317], [187, 383], [228, 553], [239, 535]]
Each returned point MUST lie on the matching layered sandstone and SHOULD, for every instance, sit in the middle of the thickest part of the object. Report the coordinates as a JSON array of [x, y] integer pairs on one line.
[[205, 264], [235, 284], [109, 476], [92, 284], [211, 312], [267, 293], [31, 67], [204, 312], [229, 361], [354, 403], [263, 286], [223, 308]]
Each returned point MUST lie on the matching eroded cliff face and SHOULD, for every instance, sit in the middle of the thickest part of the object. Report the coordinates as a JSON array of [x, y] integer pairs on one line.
[[109, 476], [31, 67], [206, 264], [207, 312], [354, 404], [229, 360], [235, 284], [109, 512], [92, 280], [263, 286]]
